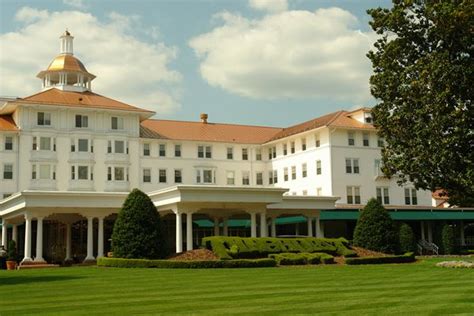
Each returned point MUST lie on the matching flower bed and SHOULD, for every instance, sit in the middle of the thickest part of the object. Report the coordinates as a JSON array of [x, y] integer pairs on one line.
[[456, 264]]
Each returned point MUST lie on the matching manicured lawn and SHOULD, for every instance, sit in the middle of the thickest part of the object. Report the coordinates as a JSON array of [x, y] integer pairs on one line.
[[419, 288]]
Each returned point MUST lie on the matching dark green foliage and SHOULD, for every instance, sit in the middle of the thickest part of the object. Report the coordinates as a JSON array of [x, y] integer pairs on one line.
[[375, 229], [136, 231], [407, 239], [174, 264], [406, 258], [449, 240], [12, 254], [302, 258], [239, 247], [423, 68]]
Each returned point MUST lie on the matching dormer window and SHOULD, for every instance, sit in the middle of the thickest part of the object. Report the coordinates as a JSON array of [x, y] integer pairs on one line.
[[117, 123], [368, 118], [82, 121], [44, 119]]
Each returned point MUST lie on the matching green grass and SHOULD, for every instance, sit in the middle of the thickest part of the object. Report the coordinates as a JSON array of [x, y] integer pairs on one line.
[[419, 288]]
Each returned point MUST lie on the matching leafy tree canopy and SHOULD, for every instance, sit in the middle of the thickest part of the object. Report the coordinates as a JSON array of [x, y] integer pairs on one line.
[[423, 79]]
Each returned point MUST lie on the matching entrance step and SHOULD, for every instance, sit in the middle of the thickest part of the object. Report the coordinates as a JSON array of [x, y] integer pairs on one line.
[[37, 266]]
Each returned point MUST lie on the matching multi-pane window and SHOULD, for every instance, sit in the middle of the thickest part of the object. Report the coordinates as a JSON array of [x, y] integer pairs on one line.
[[116, 123], [317, 140], [117, 174], [378, 167], [82, 173], [146, 149], [245, 154], [230, 153], [382, 195], [380, 142], [43, 172], [259, 178], [205, 176], [230, 177], [8, 171], [304, 170], [119, 146], [109, 147], [258, 154], [285, 149], [353, 195], [293, 172], [270, 153], [82, 121], [270, 177], [292, 147], [350, 138], [162, 175], [204, 151], [352, 165], [245, 178], [274, 152], [366, 139], [83, 145], [285, 174], [410, 196], [44, 143], [147, 175], [162, 150], [177, 150], [318, 167], [44, 119], [178, 176], [275, 176], [8, 143], [303, 144]]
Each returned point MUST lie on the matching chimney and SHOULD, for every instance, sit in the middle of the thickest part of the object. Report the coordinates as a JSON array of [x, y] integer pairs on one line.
[[204, 117]]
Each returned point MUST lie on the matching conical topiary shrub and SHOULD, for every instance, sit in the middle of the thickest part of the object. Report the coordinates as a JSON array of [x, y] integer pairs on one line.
[[375, 229], [449, 240], [407, 238], [136, 232]]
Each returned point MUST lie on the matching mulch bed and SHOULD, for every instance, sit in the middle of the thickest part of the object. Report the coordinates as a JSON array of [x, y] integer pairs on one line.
[[194, 255], [361, 252]]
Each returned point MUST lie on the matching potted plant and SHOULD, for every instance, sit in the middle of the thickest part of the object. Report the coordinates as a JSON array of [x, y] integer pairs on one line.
[[11, 255]]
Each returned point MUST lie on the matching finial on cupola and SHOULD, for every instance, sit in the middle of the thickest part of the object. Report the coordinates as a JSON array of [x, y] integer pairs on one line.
[[66, 43]]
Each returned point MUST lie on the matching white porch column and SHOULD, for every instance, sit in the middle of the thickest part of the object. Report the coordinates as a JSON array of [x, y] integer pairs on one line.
[[100, 238], [461, 234], [4, 233], [422, 223], [39, 239], [274, 228], [68, 242], [216, 226], [90, 241], [430, 232], [27, 257], [310, 226], [226, 227], [189, 231], [253, 224], [15, 233], [179, 233], [263, 224]]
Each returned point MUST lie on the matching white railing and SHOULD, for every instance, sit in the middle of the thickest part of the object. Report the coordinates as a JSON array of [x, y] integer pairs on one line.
[[425, 247]]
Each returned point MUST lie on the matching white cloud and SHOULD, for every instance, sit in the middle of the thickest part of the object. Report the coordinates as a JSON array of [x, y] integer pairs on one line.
[[127, 69], [269, 5], [292, 54], [78, 4]]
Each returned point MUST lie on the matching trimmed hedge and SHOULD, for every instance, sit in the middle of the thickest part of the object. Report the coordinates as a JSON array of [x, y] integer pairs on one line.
[[406, 258], [302, 258], [227, 248], [174, 264]]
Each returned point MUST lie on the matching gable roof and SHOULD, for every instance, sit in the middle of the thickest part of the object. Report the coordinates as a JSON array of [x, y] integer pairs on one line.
[[85, 99], [206, 132], [7, 124]]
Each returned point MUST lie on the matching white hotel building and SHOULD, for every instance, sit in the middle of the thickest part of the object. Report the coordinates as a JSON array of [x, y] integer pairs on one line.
[[68, 158]]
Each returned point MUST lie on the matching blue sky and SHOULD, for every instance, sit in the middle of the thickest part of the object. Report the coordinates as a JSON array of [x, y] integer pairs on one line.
[[308, 55]]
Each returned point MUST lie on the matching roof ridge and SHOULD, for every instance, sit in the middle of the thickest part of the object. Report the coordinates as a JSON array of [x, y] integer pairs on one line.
[[212, 123]]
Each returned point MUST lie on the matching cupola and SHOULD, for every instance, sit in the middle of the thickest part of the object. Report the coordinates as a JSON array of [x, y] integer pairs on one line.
[[66, 72]]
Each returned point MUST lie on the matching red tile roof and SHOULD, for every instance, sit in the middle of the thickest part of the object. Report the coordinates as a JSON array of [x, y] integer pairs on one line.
[[7, 124], [78, 99]]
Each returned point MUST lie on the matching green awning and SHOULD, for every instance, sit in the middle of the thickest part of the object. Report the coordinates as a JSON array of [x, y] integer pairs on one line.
[[406, 215], [339, 215]]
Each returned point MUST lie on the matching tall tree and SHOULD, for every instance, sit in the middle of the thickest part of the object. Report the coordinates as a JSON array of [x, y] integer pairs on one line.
[[423, 79]]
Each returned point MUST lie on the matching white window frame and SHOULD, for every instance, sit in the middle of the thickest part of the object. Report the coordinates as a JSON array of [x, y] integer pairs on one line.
[[46, 119], [383, 195], [351, 196]]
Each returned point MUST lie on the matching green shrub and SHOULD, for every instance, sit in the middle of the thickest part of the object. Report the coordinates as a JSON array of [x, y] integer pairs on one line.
[[407, 239], [239, 247], [406, 258], [449, 240], [12, 254], [136, 232], [174, 264], [375, 229]]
